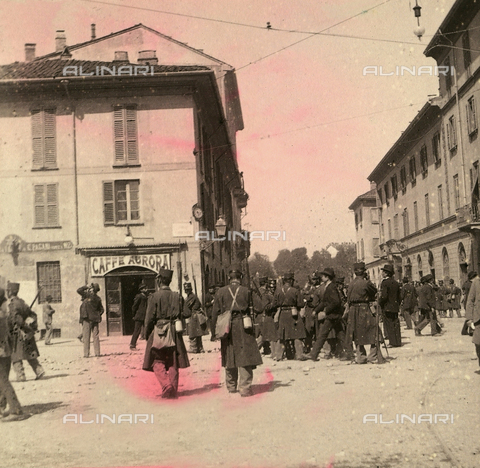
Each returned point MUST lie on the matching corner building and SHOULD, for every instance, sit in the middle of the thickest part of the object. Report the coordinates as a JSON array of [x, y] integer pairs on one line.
[[108, 175]]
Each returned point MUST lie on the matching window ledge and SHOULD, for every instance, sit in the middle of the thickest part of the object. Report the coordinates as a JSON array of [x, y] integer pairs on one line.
[[47, 227], [38, 169], [126, 223], [124, 166]]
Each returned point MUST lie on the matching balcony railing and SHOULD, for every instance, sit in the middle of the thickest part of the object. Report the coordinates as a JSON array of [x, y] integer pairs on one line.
[[467, 215]]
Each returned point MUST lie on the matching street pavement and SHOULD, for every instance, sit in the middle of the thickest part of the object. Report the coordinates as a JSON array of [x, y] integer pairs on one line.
[[303, 414]]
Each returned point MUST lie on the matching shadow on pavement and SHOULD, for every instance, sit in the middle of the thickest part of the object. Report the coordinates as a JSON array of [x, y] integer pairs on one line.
[[268, 387], [199, 391], [60, 342], [40, 408], [54, 376]]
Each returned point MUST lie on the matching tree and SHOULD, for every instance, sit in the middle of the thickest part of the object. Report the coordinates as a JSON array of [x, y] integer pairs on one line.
[[261, 264]]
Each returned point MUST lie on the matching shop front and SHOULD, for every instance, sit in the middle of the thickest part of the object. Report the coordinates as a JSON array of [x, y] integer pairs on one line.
[[122, 272]]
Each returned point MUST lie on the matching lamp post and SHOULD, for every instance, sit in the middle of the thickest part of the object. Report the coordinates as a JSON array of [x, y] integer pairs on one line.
[[220, 228], [130, 240]]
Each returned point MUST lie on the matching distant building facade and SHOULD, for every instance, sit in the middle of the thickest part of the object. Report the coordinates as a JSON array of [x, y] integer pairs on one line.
[[106, 177], [427, 183]]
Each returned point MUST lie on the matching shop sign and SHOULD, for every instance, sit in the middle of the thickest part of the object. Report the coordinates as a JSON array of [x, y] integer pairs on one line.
[[99, 266]]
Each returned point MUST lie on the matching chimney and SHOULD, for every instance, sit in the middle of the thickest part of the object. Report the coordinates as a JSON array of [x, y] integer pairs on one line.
[[148, 57], [29, 52], [121, 56], [60, 40], [93, 31]]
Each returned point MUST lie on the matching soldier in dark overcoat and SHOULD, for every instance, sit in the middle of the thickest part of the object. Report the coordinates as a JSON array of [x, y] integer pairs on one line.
[[288, 301], [454, 299], [197, 320], [209, 297], [268, 329], [408, 296], [165, 306], [426, 305], [441, 293], [7, 392], [139, 310], [472, 313], [239, 350], [466, 287], [310, 320], [389, 301], [332, 309], [24, 345], [362, 327]]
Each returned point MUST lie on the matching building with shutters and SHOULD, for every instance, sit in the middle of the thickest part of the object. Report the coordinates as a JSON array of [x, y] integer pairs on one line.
[[427, 183], [115, 152]]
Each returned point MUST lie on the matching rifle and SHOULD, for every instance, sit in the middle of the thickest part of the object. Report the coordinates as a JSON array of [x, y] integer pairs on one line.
[[380, 358], [36, 297]]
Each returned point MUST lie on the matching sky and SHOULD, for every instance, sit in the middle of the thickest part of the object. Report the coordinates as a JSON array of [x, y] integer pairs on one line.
[[316, 124]]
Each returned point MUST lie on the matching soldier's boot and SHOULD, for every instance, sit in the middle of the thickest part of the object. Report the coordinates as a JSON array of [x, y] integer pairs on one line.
[[37, 368], [19, 371]]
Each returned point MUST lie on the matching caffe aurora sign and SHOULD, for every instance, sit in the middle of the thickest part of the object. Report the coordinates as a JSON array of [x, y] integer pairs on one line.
[[99, 266]]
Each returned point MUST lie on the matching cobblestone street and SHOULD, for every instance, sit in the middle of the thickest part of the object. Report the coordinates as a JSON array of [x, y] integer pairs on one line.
[[302, 413]]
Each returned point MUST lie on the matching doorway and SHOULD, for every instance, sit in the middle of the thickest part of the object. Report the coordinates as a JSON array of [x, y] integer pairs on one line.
[[122, 285]]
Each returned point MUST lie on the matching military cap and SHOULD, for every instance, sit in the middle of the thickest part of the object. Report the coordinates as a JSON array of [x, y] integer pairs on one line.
[[262, 280], [235, 268], [289, 276], [96, 287], [426, 278], [165, 274], [142, 285], [388, 268], [359, 266], [328, 272], [472, 274], [187, 286], [405, 279], [13, 287], [452, 281]]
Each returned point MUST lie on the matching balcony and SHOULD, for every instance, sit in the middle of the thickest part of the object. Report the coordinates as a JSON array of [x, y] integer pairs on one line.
[[468, 217]]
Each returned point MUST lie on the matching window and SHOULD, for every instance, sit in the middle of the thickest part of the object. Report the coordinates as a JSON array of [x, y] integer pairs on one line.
[[424, 161], [473, 175], [403, 179], [393, 181], [125, 133], [389, 229], [46, 205], [374, 215], [49, 281], [451, 134], [437, 159], [387, 193], [440, 202], [376, 247], [43, 139], [427, 210], [395, 226], [382, 231], [456, 191], [406, 225], [121, 202], [415, 215], [467, 58], [472, 125], [413, 171], [362, 250], [448, 76]]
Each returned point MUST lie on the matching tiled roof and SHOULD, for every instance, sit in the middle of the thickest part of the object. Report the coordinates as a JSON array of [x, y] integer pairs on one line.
[[54, 68]]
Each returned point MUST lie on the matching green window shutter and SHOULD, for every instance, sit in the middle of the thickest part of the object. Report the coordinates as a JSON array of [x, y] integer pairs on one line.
[[50, 152], [37, 139], [119, 135], [39, 204], [108, 203], [52, 205]]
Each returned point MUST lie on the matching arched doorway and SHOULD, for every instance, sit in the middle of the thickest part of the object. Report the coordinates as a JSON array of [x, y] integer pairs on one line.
[[408, 268], [462, 260], [121, 287], [419, 266]]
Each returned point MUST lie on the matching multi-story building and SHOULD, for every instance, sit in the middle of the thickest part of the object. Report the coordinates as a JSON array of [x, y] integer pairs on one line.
[[427, 183], [114, 153]]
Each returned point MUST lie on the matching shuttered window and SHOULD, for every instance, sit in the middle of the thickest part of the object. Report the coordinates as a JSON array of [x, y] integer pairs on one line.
[[46, 205], [121, 202], [125, 135], [43, 139]]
